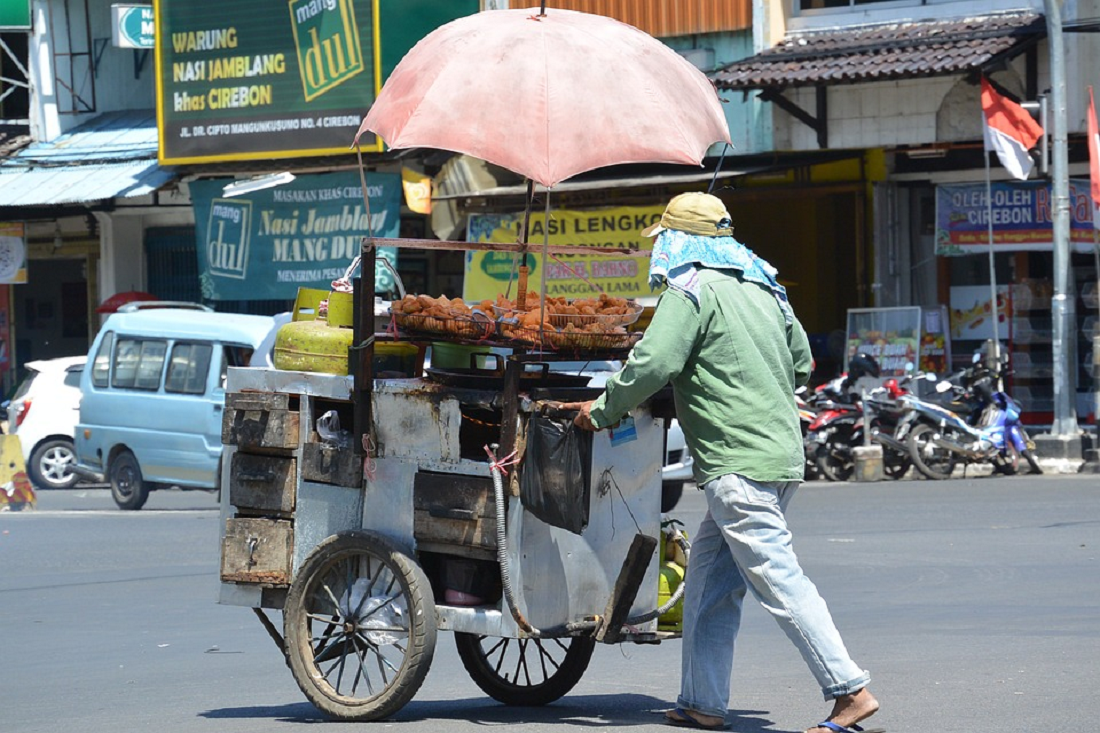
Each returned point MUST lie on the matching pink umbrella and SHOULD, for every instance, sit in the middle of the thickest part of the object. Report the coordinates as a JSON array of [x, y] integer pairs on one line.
[[548, 95]]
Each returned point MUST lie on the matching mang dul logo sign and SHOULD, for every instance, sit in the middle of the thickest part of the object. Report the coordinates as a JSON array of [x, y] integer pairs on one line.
[[327, 40]]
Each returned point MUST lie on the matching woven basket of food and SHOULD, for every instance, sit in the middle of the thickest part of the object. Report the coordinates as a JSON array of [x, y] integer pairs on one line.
[[442, 316], [561, 312]]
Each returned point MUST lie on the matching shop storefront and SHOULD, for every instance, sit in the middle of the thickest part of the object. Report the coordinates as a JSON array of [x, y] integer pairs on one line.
[[1022, 264]]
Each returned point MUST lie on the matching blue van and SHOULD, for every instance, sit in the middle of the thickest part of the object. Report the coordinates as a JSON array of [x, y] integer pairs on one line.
[[154, 395]]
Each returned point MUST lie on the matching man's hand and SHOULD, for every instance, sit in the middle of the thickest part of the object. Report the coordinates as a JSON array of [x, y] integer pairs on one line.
[[583, 420]]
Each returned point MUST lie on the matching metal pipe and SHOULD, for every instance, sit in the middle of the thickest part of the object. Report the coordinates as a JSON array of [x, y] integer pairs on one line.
[[1063, 311]]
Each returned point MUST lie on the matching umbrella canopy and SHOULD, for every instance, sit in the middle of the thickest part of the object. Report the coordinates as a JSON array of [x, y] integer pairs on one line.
[[118, 300], [548, 96]]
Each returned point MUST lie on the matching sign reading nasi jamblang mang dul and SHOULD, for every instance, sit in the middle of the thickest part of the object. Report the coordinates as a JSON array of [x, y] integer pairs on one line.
[[267, 244], [253, 79], [567, 275]]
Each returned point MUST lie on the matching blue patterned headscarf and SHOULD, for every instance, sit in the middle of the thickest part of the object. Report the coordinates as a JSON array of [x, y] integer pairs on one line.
[[676, 254]]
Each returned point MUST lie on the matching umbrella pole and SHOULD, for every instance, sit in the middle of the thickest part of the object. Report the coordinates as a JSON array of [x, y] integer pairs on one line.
[[521, 289]]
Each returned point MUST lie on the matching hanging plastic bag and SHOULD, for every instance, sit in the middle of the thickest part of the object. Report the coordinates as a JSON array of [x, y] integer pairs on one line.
[[555, 483]]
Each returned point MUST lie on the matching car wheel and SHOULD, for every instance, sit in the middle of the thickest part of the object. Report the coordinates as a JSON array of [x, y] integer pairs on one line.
[[128, 489], [671, 491], [51, 465]]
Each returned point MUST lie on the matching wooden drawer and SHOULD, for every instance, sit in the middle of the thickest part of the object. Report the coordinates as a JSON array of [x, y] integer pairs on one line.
[[454, 510], [259, 420], [258, 551], [262, 483], [331, 466]]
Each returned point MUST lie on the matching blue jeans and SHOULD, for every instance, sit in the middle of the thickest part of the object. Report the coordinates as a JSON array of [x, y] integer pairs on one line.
[[743, 543]]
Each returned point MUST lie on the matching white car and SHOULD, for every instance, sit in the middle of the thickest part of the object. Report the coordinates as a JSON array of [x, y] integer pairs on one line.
[[44, 413]]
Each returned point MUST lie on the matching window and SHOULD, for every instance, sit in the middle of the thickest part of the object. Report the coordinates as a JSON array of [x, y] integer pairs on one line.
[[101, 366], [187, 369], [138, 364]]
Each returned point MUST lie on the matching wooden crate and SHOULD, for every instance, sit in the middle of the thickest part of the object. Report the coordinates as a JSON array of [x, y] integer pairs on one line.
[[261, 483], [258, 551], [454, 511], [260, 421], [331, 466]]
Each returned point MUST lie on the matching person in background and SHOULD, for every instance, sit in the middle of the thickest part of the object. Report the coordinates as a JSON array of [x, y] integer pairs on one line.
[[725, 336]]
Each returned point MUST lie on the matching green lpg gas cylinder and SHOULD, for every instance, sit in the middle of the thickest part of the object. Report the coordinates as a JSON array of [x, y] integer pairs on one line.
[[671, 577], [312, 346]]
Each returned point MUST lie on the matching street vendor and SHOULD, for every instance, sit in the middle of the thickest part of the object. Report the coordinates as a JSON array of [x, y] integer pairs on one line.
[[725, 336]]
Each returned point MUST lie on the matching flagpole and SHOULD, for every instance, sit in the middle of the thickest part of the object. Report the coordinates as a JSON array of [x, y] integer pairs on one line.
[[992, 262]]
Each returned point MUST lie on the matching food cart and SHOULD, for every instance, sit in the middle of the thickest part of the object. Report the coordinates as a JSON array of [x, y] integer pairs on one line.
[[456, 502], [375, 512]]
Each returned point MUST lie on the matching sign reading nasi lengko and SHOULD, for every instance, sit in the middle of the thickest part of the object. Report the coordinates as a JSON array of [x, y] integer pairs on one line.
[[567, 275], [252, 79]]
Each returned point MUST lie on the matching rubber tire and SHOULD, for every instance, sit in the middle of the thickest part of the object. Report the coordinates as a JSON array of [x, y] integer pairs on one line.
[[1030, 458], [832, 469], [565, 677], [1009, 463], [60, 448], [917, 440], [128, 489], [671, 491], [420, 645], [894, 464]]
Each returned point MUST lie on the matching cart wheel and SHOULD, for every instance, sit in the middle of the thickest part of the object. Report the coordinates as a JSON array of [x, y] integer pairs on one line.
[[360, 627], [524, 672]]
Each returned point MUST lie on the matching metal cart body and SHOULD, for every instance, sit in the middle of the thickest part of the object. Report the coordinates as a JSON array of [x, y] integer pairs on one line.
[[280, 504]]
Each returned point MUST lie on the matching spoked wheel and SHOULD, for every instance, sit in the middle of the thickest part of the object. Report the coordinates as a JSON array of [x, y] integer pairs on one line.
[[524, 672], [360, 627], [930, 459], [835, 463], [895, 464]]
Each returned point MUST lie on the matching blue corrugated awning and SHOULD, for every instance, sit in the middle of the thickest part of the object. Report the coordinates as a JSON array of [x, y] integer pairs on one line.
[[112, 156]]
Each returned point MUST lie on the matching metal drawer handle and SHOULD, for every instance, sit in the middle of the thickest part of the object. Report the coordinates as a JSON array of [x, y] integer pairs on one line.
[[467, 515], [257, 476]]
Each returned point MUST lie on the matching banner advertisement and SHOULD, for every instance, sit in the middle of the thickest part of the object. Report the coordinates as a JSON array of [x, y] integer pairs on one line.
[[972, 312], [249, 79], [13, 253], [891, 335], [1023, 214], [267, 244], [567, 275]]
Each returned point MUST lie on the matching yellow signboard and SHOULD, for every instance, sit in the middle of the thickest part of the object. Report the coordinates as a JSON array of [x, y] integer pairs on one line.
[[567, 275]]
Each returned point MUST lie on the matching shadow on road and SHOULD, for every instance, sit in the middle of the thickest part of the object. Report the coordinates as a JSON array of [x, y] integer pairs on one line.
[[576, 710]]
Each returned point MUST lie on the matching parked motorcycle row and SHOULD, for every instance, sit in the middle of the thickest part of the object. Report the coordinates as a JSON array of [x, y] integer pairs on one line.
[[962, 420]]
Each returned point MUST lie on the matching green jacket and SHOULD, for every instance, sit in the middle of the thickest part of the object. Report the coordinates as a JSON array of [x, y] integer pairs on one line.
[[734, 364]]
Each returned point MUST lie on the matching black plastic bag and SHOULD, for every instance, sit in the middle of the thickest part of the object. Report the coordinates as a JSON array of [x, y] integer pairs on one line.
[[555, 484]]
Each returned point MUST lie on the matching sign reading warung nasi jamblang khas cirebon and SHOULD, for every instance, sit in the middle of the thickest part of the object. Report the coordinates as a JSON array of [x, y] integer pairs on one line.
[[254, 79]]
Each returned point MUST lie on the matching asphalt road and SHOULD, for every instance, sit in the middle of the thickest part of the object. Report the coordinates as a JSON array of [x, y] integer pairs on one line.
[[974, 603]]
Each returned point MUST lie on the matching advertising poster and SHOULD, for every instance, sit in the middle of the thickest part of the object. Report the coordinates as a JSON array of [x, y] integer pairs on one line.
[[567, 275], [972, 312], [890, 335], [1023, 215], [935, 347], [254, 79], [267, 244], [13, 253]]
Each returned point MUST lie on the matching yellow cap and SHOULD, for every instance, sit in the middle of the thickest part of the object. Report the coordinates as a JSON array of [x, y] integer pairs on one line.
[[694, 213]]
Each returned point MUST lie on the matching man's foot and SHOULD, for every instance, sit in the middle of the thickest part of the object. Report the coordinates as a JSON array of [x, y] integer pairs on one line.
[[849, 710], [693, 719]]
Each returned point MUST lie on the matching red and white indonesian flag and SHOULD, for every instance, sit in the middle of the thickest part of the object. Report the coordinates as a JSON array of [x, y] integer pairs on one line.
[[1009, 131], [1094, 160]]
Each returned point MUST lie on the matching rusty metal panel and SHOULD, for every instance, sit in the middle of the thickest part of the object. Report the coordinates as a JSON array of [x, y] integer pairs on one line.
[[665, 18]]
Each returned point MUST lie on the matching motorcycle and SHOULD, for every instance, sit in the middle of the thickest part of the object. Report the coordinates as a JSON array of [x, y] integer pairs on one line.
[[838, 427], [984, 428]]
